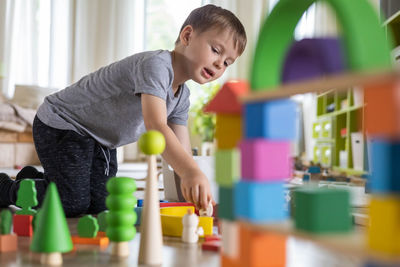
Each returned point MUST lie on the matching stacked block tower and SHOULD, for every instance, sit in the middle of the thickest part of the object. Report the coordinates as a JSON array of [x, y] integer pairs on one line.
[[269, 123]]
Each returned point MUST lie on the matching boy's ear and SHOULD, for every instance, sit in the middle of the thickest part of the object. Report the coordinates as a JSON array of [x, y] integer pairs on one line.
[[186, 34]]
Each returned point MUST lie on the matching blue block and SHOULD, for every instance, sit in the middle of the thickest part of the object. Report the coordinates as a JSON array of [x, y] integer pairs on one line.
[[226, 203], [138, 211], [260, 202], [385, 177], [140, 202], [276, 120], [314, 169]]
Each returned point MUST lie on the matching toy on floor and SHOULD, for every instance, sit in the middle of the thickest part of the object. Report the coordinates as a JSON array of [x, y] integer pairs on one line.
[[8, 241], [121, 217], [26, 199], [212, 243], [207, 212], [88, 228], [151, 143], [52, 236], [190, 232], [102, 220]]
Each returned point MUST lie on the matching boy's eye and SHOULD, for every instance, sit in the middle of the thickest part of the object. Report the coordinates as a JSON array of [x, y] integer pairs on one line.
[[214, 50], [226, 64]]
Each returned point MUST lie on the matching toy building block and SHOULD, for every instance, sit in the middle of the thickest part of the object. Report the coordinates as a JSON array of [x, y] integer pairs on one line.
[[140, 202], [226, 204], [276, 120], [212, 237], [385, 169], [8, 241], [314, 173], [88, 232], [52, 236], [261, 249], [102, 220], [322, 210], [175, 204], [265, 160], [382, 109], [151, 143], [121, 216], [384, 227], [26, 197], [230, 239], [138, 211], [213, 245], [226, 261], [208, 212], [313, 58], [22, 225], [227, 101], [171, 221], [228, 131], [227, 167], [260, 202]]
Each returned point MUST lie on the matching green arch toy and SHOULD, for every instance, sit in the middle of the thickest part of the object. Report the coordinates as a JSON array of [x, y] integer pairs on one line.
[[365, 43]]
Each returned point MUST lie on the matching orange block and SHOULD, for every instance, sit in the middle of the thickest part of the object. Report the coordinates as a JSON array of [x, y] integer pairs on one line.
[[229, 262], [382, 111], [261, 249], [8, 243], [101, 234], [22, 225], [99, 241]]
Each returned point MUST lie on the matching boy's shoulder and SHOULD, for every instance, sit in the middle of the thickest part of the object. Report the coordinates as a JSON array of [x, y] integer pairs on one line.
[[154, 57]]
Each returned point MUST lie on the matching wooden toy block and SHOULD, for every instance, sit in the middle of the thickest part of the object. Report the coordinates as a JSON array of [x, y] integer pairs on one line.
[[384, 230], [214, 245], [226, 206], [175, 204], [276, 120], [322, 210], [226, 261], [138, 211], [22, 225], [98, 240], [261, 249], [101, 234], [227, 166], [171, 221], [228, 131], [265, 160], [230, 239], [227, 101], [8, 243], [382, 109], [212, 237], [385, 170], [26, 197], [260, 202]]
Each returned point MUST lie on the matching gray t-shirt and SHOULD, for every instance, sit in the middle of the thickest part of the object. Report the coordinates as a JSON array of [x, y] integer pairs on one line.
[[106, 104]]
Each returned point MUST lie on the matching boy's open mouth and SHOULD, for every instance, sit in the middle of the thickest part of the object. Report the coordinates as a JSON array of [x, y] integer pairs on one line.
[[209, 72]]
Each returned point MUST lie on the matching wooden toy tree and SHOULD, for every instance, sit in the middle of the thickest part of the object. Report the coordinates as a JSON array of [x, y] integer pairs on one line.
[[150, 252], [52, 236], [102, 220], [8, 241], [121, 217], [26, 197], [88, 226]]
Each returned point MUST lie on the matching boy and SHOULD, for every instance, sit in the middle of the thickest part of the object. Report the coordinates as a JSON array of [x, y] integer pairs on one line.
[[76, 130]]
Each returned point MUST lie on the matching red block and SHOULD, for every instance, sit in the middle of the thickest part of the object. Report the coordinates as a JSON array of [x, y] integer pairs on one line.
[[8, 243], [214, 245], [22, 225]]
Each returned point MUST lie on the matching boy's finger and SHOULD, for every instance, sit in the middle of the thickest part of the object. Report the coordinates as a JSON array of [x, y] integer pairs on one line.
[[203, 198], [195, 196], [186, 194]]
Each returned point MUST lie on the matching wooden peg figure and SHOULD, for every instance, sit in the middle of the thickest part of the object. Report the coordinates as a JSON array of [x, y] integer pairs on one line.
[[207, 212], [190, 233], [150, 252]]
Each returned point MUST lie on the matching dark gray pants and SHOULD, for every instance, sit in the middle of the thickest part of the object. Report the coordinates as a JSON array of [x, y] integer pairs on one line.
[[78, 165]]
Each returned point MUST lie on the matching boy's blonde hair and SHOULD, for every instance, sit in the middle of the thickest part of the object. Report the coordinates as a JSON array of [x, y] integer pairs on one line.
[[210, 17]]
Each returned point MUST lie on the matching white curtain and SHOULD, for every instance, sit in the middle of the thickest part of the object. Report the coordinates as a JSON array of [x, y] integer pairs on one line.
[[53, 43]]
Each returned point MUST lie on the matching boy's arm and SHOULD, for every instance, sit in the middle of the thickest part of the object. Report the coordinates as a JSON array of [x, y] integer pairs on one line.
[[194, 184]]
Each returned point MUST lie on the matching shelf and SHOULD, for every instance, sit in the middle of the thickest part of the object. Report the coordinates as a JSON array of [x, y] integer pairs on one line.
[[335, 113], [340, 82], [349, 171], [395, 18]]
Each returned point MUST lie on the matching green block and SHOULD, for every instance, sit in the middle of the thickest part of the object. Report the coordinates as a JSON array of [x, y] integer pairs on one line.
[[225, 203], [322, 210], [227, 167]]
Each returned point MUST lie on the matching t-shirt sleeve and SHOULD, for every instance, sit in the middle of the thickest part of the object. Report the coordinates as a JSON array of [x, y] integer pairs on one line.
[[180, 114], [152, 77]]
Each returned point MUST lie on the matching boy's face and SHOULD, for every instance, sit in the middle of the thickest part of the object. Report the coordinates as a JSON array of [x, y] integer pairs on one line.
[[209, 54]]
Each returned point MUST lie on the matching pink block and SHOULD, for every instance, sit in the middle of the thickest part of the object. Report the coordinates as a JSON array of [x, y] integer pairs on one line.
[[265, 160]]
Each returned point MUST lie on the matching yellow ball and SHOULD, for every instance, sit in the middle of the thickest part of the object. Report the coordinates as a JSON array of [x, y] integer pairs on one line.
[[152, 142]]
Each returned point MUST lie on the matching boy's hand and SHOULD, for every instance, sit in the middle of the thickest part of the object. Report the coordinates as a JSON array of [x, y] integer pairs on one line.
[[196, 189]]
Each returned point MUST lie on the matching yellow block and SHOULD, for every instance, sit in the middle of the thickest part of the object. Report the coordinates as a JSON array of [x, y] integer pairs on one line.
[[228, 131], [384, 230], [171, 221]]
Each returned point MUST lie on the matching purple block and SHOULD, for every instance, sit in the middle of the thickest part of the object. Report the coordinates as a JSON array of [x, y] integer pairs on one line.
[[265, 160], [313, 58]]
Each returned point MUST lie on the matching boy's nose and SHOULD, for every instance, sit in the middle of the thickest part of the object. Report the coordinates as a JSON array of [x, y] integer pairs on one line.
[[218, 64]]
